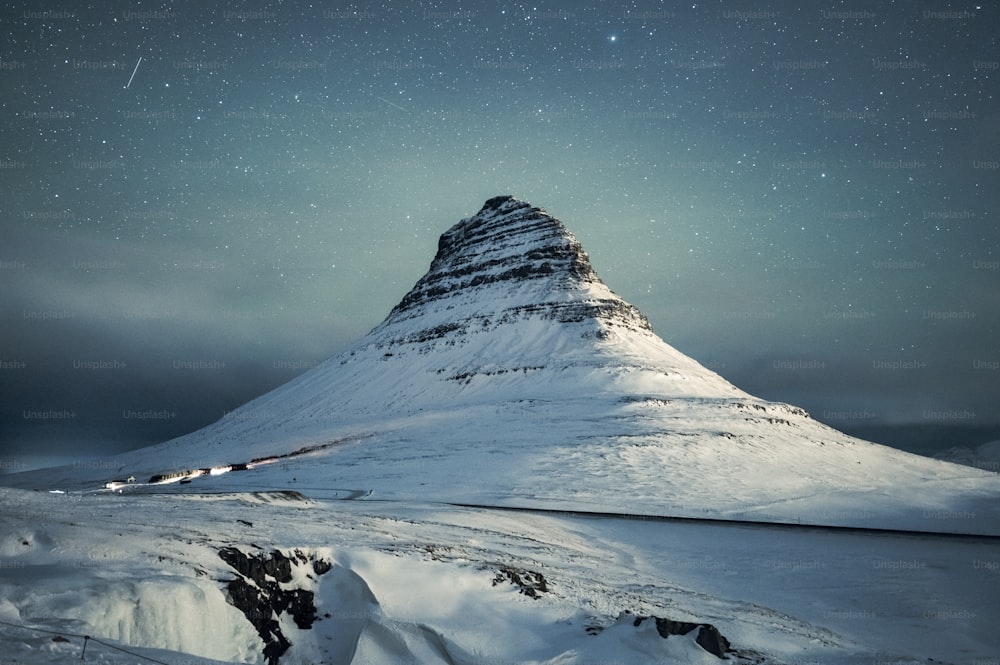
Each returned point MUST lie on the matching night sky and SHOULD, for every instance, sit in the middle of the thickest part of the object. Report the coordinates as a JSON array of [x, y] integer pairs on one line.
[[201, 200]]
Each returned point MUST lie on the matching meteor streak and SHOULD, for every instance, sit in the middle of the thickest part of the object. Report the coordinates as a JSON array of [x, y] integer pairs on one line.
[[133, 73], [391, 104]]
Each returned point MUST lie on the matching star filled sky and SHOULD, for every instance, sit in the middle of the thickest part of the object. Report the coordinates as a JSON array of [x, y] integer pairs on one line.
[[202, 200]]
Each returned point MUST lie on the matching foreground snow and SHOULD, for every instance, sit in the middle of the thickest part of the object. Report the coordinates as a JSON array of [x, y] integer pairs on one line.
[[426, 583]]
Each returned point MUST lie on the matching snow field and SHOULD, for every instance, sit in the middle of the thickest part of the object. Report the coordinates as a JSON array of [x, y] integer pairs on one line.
[[414, 583]]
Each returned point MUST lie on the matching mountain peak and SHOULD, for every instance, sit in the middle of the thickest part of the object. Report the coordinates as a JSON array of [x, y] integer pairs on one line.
[[516, 255], [534, 241], [511, 375]]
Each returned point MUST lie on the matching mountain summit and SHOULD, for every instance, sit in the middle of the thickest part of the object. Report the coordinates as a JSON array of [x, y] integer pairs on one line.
[[506, 245], [510, 374], [511, 290]]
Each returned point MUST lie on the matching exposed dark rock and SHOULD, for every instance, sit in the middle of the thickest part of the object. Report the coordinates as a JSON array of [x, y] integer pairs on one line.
[[496, 202], [263, 601], [256, 607], [321, 566], [259, 567], [511, 241], [709, 638], [528, 582]]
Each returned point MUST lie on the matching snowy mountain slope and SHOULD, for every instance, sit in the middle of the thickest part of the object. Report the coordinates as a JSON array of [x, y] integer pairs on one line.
[[510, 374]]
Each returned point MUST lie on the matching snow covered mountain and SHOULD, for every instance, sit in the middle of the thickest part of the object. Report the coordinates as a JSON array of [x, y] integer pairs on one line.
[[332, 520], [512, 375]]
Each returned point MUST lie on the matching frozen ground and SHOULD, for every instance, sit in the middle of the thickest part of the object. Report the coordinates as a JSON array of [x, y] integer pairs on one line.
[[414, 582]]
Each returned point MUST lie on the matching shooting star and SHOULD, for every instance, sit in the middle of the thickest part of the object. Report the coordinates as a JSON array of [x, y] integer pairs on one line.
[[133, 73], [391, 104]]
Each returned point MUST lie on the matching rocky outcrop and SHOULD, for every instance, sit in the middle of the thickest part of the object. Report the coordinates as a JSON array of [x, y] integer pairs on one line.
[[506, 245], [258, 591], [528, 582], [709, 638]]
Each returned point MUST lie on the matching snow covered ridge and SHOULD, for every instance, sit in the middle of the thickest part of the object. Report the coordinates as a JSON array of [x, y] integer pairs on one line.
[[509, 241], [510, 374], [510, 247]]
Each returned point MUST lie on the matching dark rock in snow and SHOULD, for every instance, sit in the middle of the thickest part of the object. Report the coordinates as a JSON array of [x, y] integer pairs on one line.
[[256, 607], [321, 566], [709, 638], [528, 582], [264, 600], [509, 242], [258, 568]]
